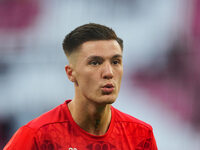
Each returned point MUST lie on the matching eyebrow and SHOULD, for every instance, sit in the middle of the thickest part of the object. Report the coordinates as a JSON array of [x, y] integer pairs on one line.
[[95, 58], [101, 58], [117, 56]]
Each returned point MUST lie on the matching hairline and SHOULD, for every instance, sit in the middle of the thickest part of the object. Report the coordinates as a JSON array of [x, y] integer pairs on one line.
[[79, 47]]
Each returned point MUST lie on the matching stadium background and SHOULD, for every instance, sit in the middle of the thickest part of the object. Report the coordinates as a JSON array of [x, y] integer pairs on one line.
[[161, 80]]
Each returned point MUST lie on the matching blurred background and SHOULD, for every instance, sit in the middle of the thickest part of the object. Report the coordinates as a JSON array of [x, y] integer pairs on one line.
[[161, 83]]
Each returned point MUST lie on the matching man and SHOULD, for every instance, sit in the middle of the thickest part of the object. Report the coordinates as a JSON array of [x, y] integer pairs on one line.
[[88, 122]]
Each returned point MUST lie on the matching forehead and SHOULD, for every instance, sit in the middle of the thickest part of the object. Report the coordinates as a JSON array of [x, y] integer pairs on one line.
[[103, 48]]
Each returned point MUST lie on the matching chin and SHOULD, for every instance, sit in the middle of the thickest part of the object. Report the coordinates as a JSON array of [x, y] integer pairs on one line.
[[107, 99], [103, 99]]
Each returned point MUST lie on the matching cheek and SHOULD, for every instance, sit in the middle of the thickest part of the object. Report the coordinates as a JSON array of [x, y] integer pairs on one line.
[[86, 79], [119, 73]]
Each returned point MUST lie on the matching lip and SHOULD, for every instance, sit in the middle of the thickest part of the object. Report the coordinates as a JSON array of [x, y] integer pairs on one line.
[[108, 88], [109, 85]]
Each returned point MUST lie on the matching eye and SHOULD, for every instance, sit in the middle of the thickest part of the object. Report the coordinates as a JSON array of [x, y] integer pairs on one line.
[[115, 62], [94, 63]]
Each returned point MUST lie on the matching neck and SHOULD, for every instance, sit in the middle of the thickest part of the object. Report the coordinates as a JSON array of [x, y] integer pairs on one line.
[[93, 118]]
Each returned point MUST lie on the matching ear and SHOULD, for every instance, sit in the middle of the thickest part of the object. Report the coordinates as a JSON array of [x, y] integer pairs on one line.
[[70, 73]]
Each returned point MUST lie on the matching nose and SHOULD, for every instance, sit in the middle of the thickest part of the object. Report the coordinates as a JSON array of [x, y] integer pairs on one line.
[[107, 72]]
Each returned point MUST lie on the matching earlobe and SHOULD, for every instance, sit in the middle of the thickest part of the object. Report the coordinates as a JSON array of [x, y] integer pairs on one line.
[[69, 72]]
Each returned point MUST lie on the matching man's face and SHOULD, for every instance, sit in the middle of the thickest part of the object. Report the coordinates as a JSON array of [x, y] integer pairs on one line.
[[98, 71]]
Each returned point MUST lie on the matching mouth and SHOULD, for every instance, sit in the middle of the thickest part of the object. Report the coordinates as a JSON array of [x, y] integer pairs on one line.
[[107, 89]]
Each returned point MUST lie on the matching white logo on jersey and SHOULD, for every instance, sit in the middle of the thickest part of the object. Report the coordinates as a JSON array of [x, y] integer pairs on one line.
[[73, 148]]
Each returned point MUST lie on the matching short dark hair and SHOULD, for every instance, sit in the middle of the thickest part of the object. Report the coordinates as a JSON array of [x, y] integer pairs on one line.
[[88, 32]]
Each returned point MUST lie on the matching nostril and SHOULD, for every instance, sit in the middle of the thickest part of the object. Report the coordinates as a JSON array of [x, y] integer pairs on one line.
[[108, 77]]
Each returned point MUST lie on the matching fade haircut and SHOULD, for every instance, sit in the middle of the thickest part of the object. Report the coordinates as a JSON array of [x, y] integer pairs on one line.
[[88, 32]]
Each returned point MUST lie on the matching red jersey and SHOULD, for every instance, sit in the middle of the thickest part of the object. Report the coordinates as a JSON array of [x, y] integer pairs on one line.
[[56, 130]]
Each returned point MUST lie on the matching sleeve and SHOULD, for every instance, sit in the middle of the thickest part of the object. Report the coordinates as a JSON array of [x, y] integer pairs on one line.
[[148, 142], [23, 139]]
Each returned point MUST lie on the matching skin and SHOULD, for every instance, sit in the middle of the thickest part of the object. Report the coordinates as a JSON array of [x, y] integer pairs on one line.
[[94, 65]]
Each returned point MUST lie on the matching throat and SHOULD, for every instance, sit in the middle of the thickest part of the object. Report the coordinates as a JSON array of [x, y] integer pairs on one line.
[[99, 127], [94, 121], [97, 123]]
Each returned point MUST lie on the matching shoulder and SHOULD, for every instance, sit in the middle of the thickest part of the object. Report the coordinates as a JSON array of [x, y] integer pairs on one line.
[[56, 115], [30, 132], [123, 118], [132, 127]]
